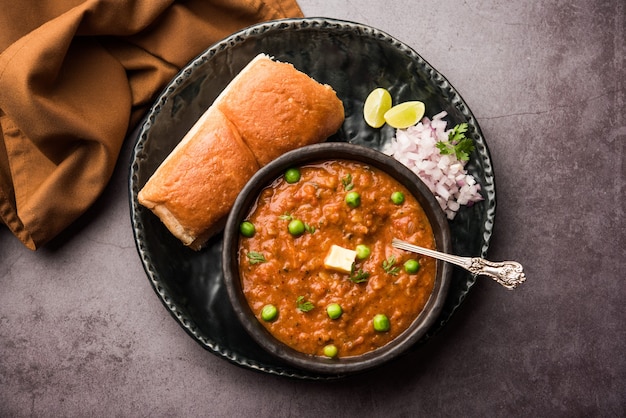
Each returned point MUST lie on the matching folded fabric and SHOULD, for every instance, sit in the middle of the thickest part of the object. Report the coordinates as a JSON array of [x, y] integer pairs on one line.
[[75, 77]]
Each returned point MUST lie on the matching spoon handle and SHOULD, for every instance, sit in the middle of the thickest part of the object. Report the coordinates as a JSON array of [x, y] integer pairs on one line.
[[509, 274]]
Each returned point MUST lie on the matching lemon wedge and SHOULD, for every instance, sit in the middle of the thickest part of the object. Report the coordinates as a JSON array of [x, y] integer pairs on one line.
[[405, 114], [377, 103]]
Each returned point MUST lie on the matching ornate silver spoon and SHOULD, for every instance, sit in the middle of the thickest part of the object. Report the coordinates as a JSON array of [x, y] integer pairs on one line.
[[509, 274]]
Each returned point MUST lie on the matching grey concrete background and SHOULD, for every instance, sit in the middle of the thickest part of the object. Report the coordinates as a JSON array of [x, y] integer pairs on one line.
[[83, 334]]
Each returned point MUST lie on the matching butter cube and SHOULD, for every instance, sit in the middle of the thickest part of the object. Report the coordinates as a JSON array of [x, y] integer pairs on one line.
[[340, 259]]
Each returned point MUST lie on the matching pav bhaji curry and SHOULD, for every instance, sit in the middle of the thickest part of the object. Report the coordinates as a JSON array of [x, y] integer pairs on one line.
[[316, 262]]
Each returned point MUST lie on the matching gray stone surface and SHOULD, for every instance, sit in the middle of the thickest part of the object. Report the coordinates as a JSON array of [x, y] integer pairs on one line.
[[82, 333]]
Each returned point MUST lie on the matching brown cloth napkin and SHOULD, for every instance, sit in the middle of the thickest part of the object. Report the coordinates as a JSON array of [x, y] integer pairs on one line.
[[75, 77]]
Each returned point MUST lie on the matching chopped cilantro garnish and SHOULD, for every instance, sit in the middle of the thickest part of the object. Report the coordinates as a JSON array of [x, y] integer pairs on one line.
[[302, 305], [457, 144], [285, 217], [358, 276], [390, 267], [255, 258], [347, 182]]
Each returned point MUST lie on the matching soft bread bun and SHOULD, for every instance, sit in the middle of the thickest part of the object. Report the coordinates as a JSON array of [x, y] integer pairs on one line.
[[278, 108], [267, 109], [192, 191]]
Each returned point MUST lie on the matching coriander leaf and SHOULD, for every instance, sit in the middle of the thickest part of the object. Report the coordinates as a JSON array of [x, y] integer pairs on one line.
[[285, 217], [255, 258], [309, 228], [390, 267], [464, 148], [358, 276], [302, 305], [458, 132], [347, 182], [457, 143], [445, 148]]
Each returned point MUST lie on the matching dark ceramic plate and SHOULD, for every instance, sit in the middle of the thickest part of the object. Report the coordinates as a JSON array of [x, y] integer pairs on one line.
[[354, 59]]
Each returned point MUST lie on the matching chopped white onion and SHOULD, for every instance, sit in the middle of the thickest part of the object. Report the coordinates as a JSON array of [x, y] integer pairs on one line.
[[445, 175]]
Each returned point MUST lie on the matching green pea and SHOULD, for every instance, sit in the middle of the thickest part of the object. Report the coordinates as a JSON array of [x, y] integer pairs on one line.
[[247, 229], [334, 310], [292, 175], [353, 199], [296, 227], [269, 313], [411, 266], [381, 323], [362, 251], [330, 351], [397, 198]]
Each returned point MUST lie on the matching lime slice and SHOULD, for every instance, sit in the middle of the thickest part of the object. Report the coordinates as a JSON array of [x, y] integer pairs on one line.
[[405, 114], [377, 103]]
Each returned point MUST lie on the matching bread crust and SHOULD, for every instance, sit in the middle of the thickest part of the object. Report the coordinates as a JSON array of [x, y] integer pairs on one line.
[[278, 108], [269, 108], [194, 191]]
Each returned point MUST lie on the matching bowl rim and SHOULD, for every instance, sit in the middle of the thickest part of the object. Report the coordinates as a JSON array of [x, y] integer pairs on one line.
[[316, 153]]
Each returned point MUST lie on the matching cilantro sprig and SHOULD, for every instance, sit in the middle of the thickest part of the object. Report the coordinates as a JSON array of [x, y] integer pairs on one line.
[[359, 276], [255, 257], [285, 217], [389, 265], [304, 305], [457, 144], [347, 182]]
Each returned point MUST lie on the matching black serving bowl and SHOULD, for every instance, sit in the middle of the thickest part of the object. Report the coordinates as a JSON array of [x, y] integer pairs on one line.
[[241, 208]]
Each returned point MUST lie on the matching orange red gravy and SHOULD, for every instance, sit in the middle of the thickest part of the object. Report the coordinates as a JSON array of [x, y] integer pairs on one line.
[[294, 266]]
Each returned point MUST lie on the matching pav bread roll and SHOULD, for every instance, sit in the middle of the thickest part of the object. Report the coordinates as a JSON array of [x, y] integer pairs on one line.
[[192, 191], [268, 108], [277, 109]]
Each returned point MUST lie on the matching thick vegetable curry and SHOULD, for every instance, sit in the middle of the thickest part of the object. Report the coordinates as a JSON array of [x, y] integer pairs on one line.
[[333, 304]]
